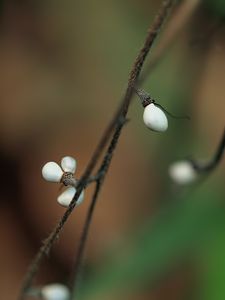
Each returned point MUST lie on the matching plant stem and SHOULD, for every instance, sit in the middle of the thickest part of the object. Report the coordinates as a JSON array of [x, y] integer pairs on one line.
[[214, 162], [181, 16], [117, 122], [77, 265], [152, 33]]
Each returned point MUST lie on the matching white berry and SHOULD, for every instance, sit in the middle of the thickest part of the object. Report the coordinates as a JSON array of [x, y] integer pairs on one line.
[[52, 172], [67, 196], [182, 172], [154, 118], [55, 291], [68, 164]]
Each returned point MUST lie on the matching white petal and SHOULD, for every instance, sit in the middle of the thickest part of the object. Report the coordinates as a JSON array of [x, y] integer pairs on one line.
[[52, 172], [154, 118], [66, 197], [68, 164], [55, 291], [182, 172]]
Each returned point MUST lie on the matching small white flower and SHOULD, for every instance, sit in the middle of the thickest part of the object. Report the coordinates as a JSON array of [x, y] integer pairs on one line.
[[182, 172], [55, 291], [52, 172], [154, 118]]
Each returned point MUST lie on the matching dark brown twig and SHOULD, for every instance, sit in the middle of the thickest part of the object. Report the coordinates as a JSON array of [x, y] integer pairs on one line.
[[80, 252], [152, 33], [102, 171], [219, 152], [117, 123], [214, 162], [181, 16]]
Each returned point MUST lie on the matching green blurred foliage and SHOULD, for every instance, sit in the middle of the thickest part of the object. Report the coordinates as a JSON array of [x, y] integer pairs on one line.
[[212, 267], [217, 7], [182, 228]]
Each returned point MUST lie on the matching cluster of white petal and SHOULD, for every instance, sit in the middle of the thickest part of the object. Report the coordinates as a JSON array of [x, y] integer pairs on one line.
[[52, 172]]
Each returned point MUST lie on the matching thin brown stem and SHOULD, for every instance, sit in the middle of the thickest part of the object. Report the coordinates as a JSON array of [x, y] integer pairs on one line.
[[117, 123], [47, 245], [181, 17], [219, 151], [102, 172], [152, 33], [209, 166], [80, 252]]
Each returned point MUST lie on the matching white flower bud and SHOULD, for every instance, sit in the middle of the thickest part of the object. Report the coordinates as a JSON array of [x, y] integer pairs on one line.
[[154, 118], [55, 291], [68, 164], [67, 196], [52, 172], [182, 172]]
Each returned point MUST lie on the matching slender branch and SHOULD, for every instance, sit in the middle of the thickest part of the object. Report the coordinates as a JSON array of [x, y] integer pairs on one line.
[[102, 172], [47, 245], [116, 122], [109, 154], [77, 265], [181, 17], [214, 162], [219, 152]]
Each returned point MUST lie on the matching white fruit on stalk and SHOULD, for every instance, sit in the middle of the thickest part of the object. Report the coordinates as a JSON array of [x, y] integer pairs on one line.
[[55, 291], [68, 164], [66, 197], [154, 118], [52, 172], [182, 172]]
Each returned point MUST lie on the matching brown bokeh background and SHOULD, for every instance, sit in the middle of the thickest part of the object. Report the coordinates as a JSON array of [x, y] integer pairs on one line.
[[64, 66]]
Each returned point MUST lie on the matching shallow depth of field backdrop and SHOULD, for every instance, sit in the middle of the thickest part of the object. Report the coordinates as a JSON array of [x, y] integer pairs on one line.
[[63, 68]]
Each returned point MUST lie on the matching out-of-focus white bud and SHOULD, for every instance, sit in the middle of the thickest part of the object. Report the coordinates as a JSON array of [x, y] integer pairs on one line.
[[68, 164], [55, 291], [52, 172], [67, 196], [154, 118], [182, 172]]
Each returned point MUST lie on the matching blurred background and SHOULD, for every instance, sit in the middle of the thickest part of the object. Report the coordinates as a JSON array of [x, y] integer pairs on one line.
[[64, 66]]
